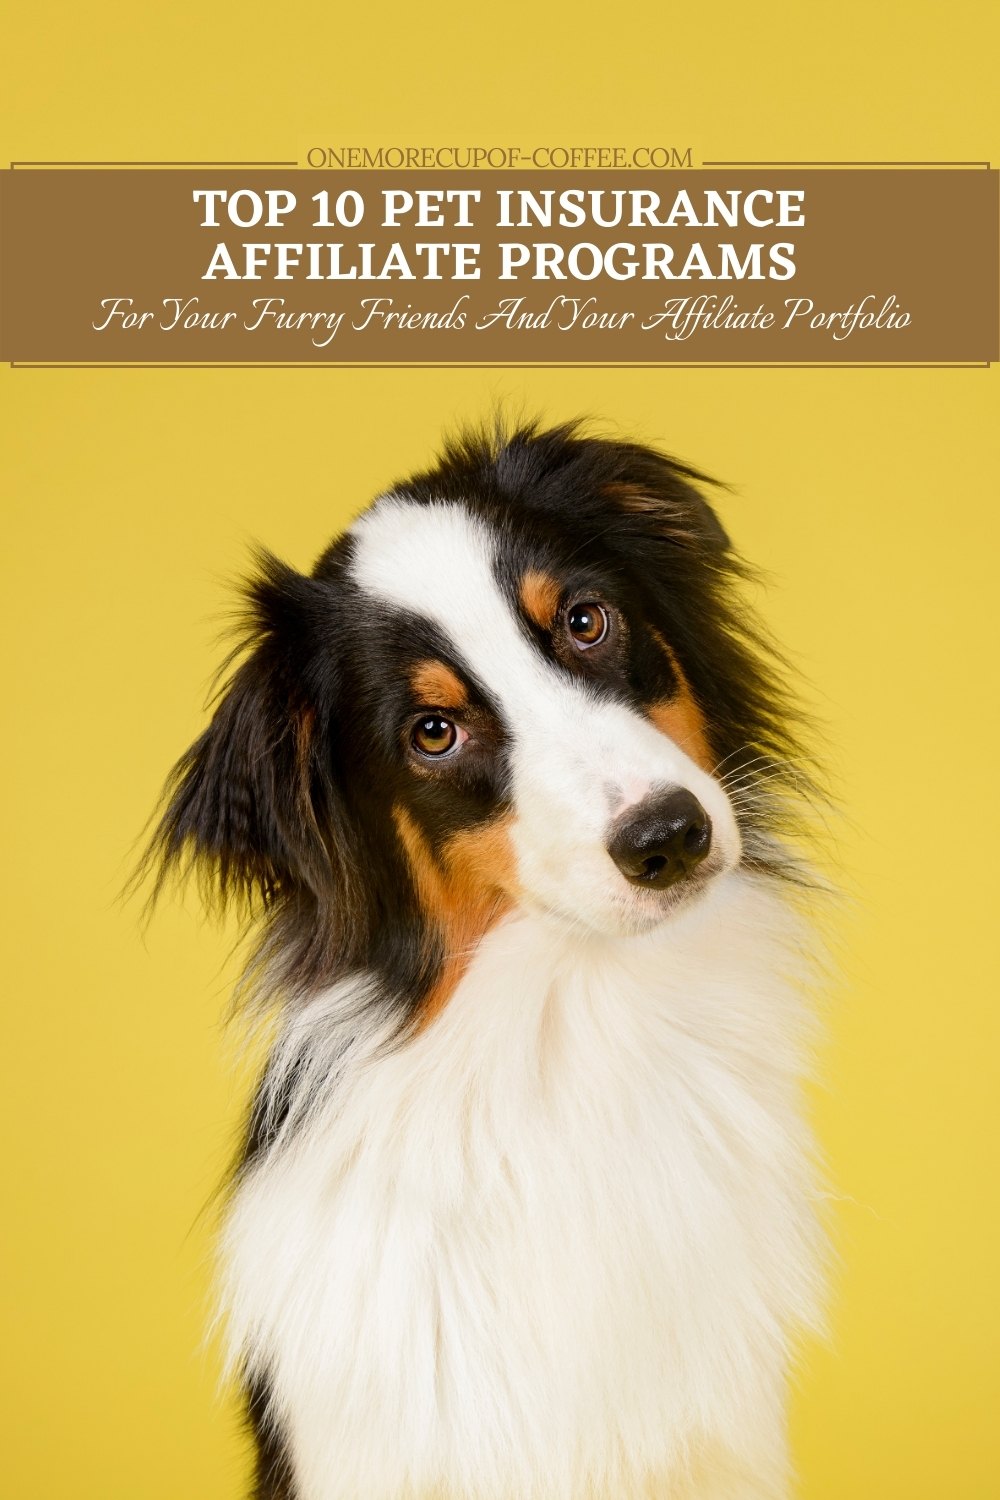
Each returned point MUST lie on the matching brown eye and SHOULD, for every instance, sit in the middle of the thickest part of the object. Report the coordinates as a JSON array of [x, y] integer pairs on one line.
[[588, 624], [434, 735]]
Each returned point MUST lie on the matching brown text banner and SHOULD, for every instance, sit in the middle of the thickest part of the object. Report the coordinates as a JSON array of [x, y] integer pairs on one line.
[[736, 266]]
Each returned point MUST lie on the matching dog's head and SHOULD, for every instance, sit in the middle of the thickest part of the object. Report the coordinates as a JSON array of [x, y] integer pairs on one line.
[[518, 681]]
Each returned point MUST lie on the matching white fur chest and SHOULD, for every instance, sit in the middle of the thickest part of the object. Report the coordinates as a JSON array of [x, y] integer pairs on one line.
[[553, 1248]]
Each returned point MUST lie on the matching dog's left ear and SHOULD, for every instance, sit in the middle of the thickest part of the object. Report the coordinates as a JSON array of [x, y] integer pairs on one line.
[[250, 804], [666, 496]]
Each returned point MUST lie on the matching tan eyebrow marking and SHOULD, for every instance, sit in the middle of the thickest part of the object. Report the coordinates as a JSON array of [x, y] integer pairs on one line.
[[540, 594], [680, 717], [436, 685]]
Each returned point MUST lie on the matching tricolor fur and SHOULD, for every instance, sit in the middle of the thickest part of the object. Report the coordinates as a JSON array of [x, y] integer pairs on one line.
[[525, 1210]]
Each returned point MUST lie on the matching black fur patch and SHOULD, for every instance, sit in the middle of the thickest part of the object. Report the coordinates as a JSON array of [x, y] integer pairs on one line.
[[272, 1470]]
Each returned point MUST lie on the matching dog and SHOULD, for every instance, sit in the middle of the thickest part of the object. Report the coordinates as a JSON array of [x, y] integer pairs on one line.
[[526, 1208]]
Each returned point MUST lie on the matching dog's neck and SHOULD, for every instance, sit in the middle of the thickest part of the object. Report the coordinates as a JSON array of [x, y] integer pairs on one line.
[[724, 972], [717, 978]]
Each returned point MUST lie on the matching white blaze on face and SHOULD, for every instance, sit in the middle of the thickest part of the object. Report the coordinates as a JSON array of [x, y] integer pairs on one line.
[[577, 760]]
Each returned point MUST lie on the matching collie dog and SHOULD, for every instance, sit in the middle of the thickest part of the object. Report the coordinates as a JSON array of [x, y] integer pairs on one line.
[[526, 1207]]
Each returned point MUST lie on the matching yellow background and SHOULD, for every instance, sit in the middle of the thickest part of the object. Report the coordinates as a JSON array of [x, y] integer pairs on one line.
[[130, 498]]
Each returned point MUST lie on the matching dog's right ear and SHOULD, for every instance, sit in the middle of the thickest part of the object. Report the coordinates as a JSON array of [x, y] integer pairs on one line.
[[250, 805]]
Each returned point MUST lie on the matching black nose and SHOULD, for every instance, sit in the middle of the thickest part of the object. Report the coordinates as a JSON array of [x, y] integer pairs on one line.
[[662, 840]]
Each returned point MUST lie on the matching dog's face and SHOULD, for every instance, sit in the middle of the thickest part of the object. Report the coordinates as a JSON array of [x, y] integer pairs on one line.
[[508, 685], [541, 743]]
